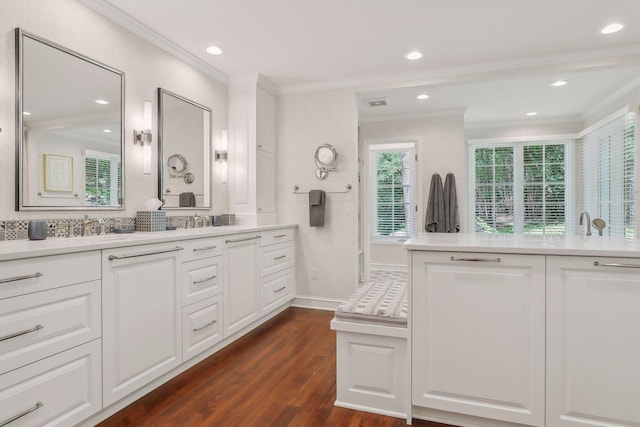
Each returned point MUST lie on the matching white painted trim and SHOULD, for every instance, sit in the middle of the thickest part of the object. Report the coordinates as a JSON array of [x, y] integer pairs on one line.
[[369, 328], [316, 303], [621, 112], [388, 267], [141, 30], [396, 146], [461, 420], [532, 138], [371, 409], [524, 122], [619, 94], [413, 115]]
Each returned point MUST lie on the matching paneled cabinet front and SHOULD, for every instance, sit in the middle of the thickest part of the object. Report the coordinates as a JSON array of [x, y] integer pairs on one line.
[[478, 335], [593, 342], [142, 316]]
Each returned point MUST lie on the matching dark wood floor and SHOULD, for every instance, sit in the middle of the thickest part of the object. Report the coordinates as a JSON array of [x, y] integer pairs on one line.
[[281, 374]]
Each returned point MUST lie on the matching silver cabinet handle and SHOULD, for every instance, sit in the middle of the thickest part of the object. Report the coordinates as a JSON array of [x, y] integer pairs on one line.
[[112, 257], [242, 240], [207, 248], [15, 279], [476, 259], [205, 326], [17, 334], [597, 264], [279, 235], [280, 290], [197, 282], [38, 405], [279, 257]]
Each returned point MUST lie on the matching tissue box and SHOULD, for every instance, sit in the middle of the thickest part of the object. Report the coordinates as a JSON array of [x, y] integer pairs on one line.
[[229, 219], [151, 221]]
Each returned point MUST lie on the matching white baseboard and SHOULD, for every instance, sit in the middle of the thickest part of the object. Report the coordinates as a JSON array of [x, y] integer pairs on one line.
[[461, 420], [316, 303], [387, 267], [370, 409]]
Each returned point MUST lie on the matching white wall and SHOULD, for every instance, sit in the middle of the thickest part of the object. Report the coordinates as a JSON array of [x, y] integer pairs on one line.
[[146, 68], [524, 130], [305, 121]]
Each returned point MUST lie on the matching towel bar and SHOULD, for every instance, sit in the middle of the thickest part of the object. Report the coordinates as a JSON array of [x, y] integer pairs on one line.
[[296, 188]]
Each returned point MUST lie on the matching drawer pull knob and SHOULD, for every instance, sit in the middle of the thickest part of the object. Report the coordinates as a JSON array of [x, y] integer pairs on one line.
[[197, 282], [280, 290], [242, 240], [38, 405], [17, 334], [207, 248], [279, 257], [205, 326], [598, 264], [476, 259], [112, 257], [15, 279], [279, 235]]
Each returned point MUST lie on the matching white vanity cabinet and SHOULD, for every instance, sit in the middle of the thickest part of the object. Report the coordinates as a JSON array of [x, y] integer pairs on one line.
[[142, 316], [593, 341], [478, 343], [241, 305], [277, 268]]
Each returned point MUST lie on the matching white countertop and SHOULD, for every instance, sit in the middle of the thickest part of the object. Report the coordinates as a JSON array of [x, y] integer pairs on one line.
[[525, 244], [16, 249]]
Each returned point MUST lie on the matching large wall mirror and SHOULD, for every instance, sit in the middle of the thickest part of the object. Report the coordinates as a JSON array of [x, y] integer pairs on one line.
[[184, 152], [69, 129]]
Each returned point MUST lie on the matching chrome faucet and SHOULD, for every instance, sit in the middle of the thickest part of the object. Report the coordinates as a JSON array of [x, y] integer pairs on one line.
[[199, 221], [88, 223], [582, 215]]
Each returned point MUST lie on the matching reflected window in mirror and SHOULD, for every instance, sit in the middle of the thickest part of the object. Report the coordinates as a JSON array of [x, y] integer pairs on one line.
[[184, 152], [70, 110]]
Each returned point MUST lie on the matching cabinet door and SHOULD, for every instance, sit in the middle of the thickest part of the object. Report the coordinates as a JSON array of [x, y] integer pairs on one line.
[[266, 182], [265, 121], [240, 283], [478, 334], [142, 316], [593, 343]]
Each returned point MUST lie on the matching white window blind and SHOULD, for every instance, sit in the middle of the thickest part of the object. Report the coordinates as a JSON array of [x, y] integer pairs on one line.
[[102, 179], [392, 177], [606, 175]]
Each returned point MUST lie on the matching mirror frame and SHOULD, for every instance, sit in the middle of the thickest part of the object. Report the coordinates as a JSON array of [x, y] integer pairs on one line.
[[19, 53], [161, 160]]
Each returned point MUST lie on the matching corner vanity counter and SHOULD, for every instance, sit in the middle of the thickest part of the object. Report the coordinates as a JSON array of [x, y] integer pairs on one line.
[[525, 330], [88, 325]]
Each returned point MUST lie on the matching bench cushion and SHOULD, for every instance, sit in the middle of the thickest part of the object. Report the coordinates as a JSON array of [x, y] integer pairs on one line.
[[377, 302]]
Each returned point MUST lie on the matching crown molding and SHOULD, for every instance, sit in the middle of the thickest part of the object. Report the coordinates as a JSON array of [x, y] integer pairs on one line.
[[580, 60], [522, 123], [414, 115], [611, 99], [136, 27]]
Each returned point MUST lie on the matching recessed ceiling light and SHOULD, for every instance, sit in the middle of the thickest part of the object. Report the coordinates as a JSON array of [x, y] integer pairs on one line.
[[26, 113], [532, 113], [559, 83], [612, 28], [413, 55], [214, 50], [422, 96], [101, 101], [106, 130]]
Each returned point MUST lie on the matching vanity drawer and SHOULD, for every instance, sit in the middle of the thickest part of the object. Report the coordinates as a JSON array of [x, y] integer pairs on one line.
[[201, 248], [24, 276], [202, 326], [277, 289], [276, 258], [38, 325], [271, 237], [202, 279], [61, 390]]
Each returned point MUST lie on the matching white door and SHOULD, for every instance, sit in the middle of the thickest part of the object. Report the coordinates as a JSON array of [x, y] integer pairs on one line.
[[266, 182], [593, 342], [142, 316], [478, 335], [241, 306]]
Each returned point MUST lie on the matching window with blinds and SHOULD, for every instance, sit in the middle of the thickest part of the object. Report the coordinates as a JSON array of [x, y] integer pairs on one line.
[[392, 184], [102, 179], [520, 188], [606, 174]]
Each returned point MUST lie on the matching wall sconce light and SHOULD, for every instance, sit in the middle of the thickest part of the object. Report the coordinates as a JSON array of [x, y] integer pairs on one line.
[[221, 157], [144, 138]]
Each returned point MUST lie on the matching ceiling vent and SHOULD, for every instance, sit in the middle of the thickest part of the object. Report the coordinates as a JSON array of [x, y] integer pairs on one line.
[[380, 102]]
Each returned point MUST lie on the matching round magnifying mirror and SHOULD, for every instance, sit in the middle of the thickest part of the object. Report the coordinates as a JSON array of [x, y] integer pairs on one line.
[[177, 163], [326, 155]]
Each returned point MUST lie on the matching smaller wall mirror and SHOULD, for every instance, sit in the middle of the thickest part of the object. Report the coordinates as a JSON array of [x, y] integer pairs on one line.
[[184, 152]]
